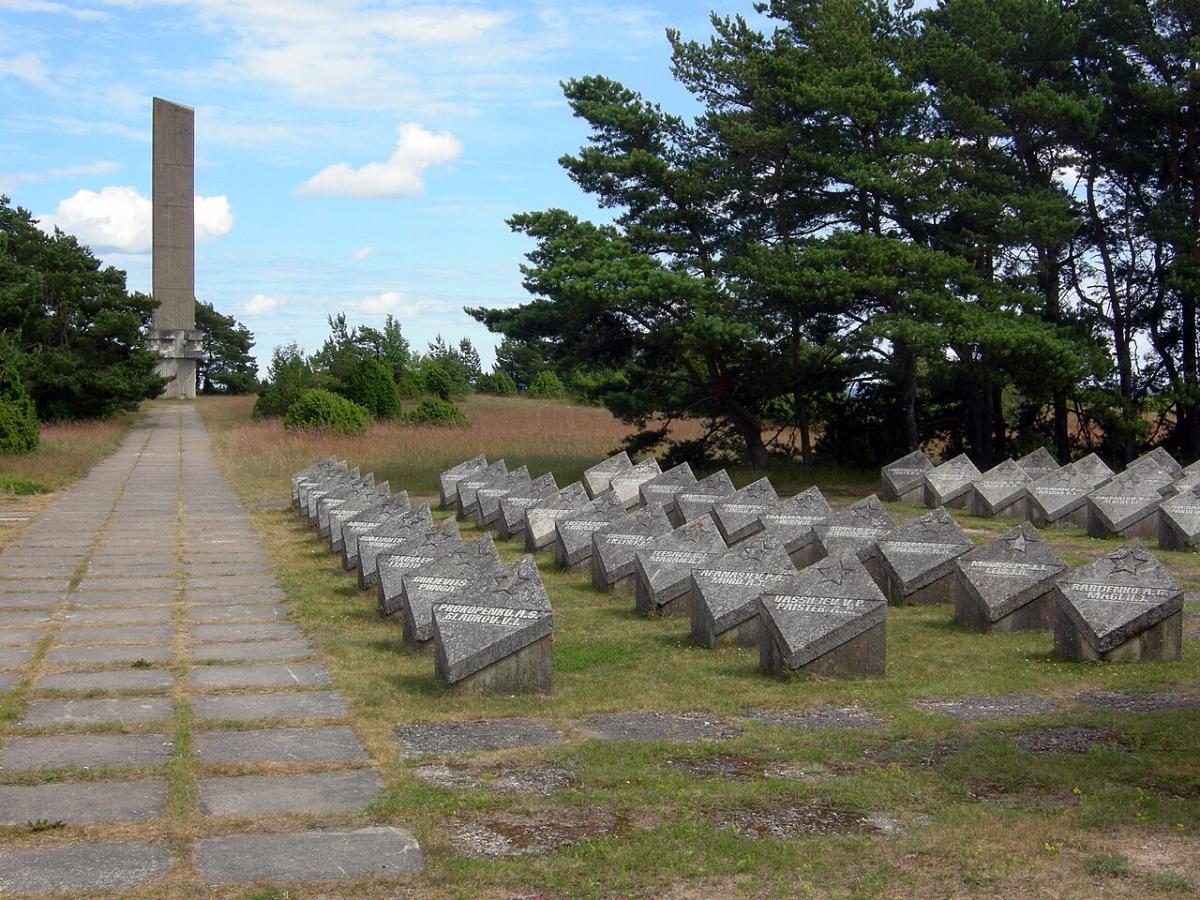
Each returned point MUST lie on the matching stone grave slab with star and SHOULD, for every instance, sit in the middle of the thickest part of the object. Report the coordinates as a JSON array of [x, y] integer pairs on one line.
[[903, 479], [737, 517], [393, 537], [724, 591], [486, 508], [511, 523], [360, 521], [469, 486], [1038, 463], [1128, 503], [1008, 584], [663, 570], [793, 522], [1162, 458], [323, 485], [853, 531], [698, 500], [316, 495], [627, 483], [950, 483], [598, 478], [662, 488], [1060, 498], [397, 523], [495, 634], [1179, 520], [421, 588], [1001, 491], [1125, 606], [449, 479], [394, 561], [316, 470], [615, 546], [573, 532], [917, 561], [358, 496], [541, 516], [829, 619]]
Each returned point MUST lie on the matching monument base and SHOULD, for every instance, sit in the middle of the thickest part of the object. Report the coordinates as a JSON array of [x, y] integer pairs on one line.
[[529, 669], [1146, 527], [1158, 643], [177, 350], [1036, 615], [940, 590], [862, 655], [744, 634]]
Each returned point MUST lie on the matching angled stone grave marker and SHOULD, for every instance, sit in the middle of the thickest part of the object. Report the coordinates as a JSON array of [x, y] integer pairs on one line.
[[324, 484], [793, 522], [393, 562], [1124, 606], [627, 483], [350, 504], [468, 486], [319, 493], [917, 561], [615, 546], [950, 483], [1179, 520], [1061, 496], [1001, 491], [541, 516], [361, 521], [829, 619], [854, 531], [737, 517], [573, 532], [663, 488], [699, 499], [392, 537], [495, 634], [598, 478], [725, 591], [513, 507], [1128, 503], [1038, 463], [395, 523], [449, 479], [421, 588], [904, 479], [1161, 457], [663, 570], [1008, 583], [313, 471], [488, 497]]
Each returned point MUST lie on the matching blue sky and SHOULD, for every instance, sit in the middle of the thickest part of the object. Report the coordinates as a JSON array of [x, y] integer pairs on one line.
[[352, 155]]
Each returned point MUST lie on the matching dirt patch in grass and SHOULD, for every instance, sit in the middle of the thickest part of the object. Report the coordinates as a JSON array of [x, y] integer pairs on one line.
[[1191, 625], [656, 726], [821, 716], [522, 834], [805, 771], [988, 707], [1128, 701], [540, 781], [788, 820], [1174, 856], [720, 765], [1068, 739], [911, 754], [479, 735]]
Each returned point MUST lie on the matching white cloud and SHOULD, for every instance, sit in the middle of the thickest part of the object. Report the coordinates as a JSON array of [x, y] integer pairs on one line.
[[363, 253], [395, 303], [28, 67], [261, 304], [100, 167], [47, 6], [399, 176], [119, 218]]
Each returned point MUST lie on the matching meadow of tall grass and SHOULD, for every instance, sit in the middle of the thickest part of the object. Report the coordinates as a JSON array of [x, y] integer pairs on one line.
[[66, 451]]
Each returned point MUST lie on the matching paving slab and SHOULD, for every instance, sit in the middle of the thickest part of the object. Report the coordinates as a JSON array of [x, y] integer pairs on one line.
[[34, 585], [100, 711], [109, 680], [270, 631], [122, 598], [119, 615], [321, 794], [236, 595], [252, 651], [986, 707], [237, 612], [251, 676], [111, 653], [84, 751], [14, 657], [1128, 701], [30, 601], [7, 681], [656, 726], [127, 633], [15, 637], [82, 802], [81, 867], [821, 716], [313, 744], [376, 852], [485, 734], [275, 705], [10, 618], [229, 581]]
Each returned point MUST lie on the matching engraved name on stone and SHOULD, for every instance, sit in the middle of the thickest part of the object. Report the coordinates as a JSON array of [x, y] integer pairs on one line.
[[917, 546], [702, 498], [522, 502], [405, 562], [1129, 501], [485, 615], [584, 526], [1118, 593], [999, 483], [665, 488], [1186, 510], [750, 508], [793, 520], [848, 531], [626, 540], [828, 605], [678, 556], [1007, 569], [894, 471], [742, 579], [1062, 491], [439, 585]]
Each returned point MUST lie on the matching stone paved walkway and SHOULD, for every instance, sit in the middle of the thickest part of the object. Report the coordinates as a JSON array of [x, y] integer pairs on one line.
[[154, 679]]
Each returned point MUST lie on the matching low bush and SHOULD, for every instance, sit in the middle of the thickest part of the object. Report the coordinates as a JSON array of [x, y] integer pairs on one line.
[[499, 384], [18, 417], [321, 410], [371, 385], [438, 381], [436, 411], [547, 385]]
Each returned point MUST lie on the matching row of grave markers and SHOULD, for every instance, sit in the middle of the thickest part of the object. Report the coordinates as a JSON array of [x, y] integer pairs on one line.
[[1155, 498], [490, 624]]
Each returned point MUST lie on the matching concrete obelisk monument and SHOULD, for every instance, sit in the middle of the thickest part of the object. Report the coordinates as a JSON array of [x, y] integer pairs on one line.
[[173, 332]]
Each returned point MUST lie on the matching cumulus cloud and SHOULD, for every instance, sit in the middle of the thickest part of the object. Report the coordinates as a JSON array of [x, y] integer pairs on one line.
[[398, 176], [28, 67], [395, 303], [100, 167], [119, 218], [261, 304], [47, 6], [363, 253]]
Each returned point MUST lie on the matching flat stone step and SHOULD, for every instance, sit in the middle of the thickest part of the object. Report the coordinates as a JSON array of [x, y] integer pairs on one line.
[[314, 744], [95, 598], [264, 676], [252, 651], [269, 631], [111, 653], [102, 711], [119, 615], [127, 633], [19, 617], [110, 680], [321, 794], [378, 852], [236, 595], [14, 657], [84, 751], [77, 803], [7, 681], [81, 867], [278, 705], [238, 612], [15, 637]]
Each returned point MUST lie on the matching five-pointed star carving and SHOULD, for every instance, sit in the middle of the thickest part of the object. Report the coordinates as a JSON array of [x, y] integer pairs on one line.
[[1017, 542], [837, 570], [1127, 560]]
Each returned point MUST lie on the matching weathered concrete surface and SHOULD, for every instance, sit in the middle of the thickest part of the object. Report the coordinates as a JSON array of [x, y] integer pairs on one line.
[[324, 793], [81, 803], [84, 867]]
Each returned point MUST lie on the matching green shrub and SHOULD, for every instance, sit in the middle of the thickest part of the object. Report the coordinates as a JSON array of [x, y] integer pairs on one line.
[[23, 487], [409, 383], [322, 410], [18, 417], [436, 411], [438, 381], [371, 385], [546, 384], [288, 376], [498, 383]]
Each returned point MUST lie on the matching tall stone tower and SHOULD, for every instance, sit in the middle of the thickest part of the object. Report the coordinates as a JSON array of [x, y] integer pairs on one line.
[[173, 334]]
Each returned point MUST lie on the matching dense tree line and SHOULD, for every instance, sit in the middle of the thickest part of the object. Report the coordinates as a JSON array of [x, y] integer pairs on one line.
[[978, 224]]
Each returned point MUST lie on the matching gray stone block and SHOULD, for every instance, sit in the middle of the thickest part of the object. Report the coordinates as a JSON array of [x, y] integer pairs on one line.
[[1008, 583], [853, 531], [1000, 490], [109, 680], [20, 617], [259, 676], [542, 516], [663, 487], [275, 705], [252, 651], [117, 615], [598, 478], [904, 479], [449, 479], [421, 588], [14, 657], [724, 611], [457, 736], [15, 637], [100, 711], [224, 633], [81, 867], [127, 633], [699, 499], [737, 517], [626, 485], [615, 546], [312, 744], [950, 483], [918, 561], [238, 612], [76, 803], [320, 794], [84, 751], [111, 653], [664, 568]]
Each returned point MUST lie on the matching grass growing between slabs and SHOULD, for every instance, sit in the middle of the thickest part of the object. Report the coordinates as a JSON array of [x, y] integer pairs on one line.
[[924, 803]]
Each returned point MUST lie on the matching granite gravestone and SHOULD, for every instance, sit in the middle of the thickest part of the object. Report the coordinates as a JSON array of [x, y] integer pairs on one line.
[[698, 500], [904, 479], [829, 619], [615, 546], [1038, 463], [448, 480], [737, 517], [394, 523], [375, 513], [663, 488], [421, 588], [1128, 503], [950, 483], [598, 478], [1162, 458], [917, 561], [663, 570], [393, 562], [1179, 520], [324, 483], [793, 522], [854, 531], [1061, 496], [1123, 606], [495, 634], [317, 493], [471, 483], [1000, 491], [313, 471], [724, 591], [356, 499], [485, 508], [542, 516], [627, 483], [1008, 583], [391, 537], [513, 507], [573, 532]]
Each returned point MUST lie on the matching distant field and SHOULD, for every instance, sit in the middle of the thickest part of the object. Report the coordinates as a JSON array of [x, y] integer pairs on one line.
[[959, 808]]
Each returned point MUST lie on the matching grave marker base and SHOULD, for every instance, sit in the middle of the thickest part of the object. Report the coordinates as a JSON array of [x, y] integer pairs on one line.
[[1171, 536], [744, 634], [529, 669], [1159, 643], [1145, 527], [1036, 615], [940, 590], [647, 605], [862, 655]]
